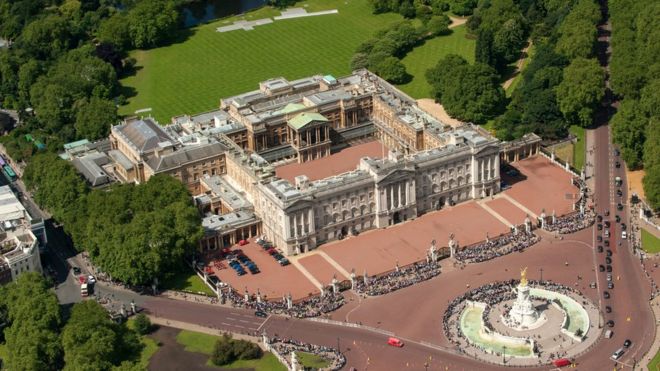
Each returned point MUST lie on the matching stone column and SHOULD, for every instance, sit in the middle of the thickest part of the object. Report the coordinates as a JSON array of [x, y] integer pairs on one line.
[[398, 187], [353, 279], [289, 301], [258, 296], [335, 285], [391, 197]]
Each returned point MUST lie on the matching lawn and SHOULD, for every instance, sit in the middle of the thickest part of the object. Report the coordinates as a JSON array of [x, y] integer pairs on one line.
[[150, 347], [191, 76], [203, 343], [650, 243], [579, 148], [312, 360], [654, 365], [3, 354], [187, 281], [427, 55]]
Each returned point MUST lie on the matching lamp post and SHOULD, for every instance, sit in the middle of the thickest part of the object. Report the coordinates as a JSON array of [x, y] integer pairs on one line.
[[338, 348], [504, 355], [541, 269]]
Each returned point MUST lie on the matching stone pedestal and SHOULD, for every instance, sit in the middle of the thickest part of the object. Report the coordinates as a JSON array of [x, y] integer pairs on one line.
[[523, 314]]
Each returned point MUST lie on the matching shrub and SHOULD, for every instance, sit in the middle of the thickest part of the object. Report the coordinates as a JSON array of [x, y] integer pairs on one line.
[[142, 324]]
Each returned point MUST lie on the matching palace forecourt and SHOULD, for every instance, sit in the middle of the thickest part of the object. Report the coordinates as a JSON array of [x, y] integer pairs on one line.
[[342, 175]]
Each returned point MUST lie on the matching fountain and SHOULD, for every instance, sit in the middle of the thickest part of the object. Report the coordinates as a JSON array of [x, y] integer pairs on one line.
[[523, 315]]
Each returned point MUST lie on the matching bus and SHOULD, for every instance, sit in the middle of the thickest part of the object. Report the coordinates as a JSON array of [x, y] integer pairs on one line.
[[9, 173]]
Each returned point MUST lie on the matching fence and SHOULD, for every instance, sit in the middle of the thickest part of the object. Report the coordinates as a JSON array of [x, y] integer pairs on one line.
[[352, 325], [566, 166]]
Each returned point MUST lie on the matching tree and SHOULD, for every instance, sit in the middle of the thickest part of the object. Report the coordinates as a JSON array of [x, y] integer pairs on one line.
[[359, 60], [392, 70], [463, 7], [113, 30], [439, 25], [628, 130], [468, 92], [94, 117], [142, 324], [32, 340], [151, 22], [443, 71], [407, 10], [577, 39], [89, 338], [46, 38], [581, 89], [508, 40]]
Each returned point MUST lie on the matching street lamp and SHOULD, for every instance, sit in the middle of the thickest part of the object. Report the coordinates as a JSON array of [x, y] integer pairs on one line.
[[338, 348], [541, 269], [504, 355]]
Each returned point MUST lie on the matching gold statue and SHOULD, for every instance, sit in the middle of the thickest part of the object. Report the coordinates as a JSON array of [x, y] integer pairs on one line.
[[523, 276]]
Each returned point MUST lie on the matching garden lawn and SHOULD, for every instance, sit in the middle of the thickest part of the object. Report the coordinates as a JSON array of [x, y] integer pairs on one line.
[[187, 281], [650, 244], [191, 76], [428, 54], [203, 343], [149, 347], [312, 360], [578, 150]]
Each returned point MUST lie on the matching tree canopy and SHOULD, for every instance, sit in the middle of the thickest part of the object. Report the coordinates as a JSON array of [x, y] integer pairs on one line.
[[581, 90]]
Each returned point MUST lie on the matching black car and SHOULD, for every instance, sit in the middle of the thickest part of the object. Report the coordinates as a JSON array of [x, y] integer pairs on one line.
[[619, 193], [606, 294], [599, 226], [627, 343], [607, 213], [607, 224], [601, 268], [76, 270], [608, 268], [610, 323], [608, 309], [608, 260], [609, 253], [599, 218], [617, 164], [607, 243], [599, 238], [619, 207], [623, 226], [600, 248], [617, 218], [610, 285], [261, 314], [616, 152]]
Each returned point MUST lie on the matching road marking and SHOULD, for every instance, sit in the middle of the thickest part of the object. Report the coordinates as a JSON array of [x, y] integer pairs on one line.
[[239, 326], [231, 318], [225, 323], [244, 321], [263, 323]]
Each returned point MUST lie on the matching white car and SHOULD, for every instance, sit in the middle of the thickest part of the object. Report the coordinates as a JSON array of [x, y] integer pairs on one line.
[[91, 279], [624, 235]]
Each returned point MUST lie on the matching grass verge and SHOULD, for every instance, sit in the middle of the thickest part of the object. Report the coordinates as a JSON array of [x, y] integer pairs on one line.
[[579, 147], [650, 244], [187, 281], [312, 360], [654, 365]]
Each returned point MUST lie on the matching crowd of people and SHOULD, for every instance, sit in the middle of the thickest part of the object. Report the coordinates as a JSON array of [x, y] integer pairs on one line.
[[496, 247], [397, 279], [313, 306], [572, 222], [286, 346], [490, 294]]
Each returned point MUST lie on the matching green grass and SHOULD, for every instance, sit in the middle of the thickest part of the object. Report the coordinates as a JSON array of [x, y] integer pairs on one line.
[[187, 281], [654, 365], [196, 341], [427, 55], [191, 76], [312, 360], [150, 347], [580, 145], [3, 354], [650, 243], [203, 343]]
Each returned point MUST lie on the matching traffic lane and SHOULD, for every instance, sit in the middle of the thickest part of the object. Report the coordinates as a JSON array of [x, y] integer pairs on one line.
[[213, 316], [369, 350]]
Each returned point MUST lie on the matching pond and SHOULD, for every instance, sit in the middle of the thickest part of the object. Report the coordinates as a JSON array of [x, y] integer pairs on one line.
[[202, 11]]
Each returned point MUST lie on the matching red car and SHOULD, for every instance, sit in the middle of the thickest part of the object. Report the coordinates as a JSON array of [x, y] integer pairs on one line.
[[395, 342], [82, 279], [243, 242], [561, 362], [271, 251]]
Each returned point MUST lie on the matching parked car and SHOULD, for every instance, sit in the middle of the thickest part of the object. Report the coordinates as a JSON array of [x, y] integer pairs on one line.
[[617, 164], [609, 253], [606, 294], [599, 238], [617, 218], [599, 218], [243, 242], [600, 248], [619, 193], [599, 226], [607, 224], [561, 362], [607, 243], [601, 268], [610, 285], [607, 213], [610, 323], [609, 268], [609, 276], [75, 270], [283, 262], [608, 309], [624, 226], [619, 206], [91, 279], [608, 260], [624, 235], [627, 343]]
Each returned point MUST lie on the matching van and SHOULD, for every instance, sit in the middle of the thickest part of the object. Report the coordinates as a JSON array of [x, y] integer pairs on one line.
[[616, 355], [608, 334]]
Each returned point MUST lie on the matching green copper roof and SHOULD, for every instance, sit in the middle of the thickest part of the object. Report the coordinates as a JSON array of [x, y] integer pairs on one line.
[[292, 107], [305, 118]]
